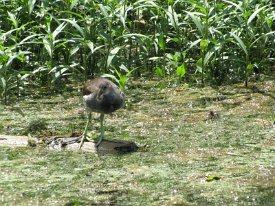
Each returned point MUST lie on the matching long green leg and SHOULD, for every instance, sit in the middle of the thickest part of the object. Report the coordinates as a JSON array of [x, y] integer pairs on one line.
[[101, 130], [86, 129]]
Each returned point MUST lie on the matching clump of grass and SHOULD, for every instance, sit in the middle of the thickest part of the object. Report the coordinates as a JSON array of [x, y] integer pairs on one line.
[[37, 126], [32, 142]]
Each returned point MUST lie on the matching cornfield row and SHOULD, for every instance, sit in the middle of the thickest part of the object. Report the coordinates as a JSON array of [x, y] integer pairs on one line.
[[48, 43]]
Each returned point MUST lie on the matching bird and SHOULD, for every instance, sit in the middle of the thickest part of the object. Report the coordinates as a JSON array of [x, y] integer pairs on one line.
[[102, 96]]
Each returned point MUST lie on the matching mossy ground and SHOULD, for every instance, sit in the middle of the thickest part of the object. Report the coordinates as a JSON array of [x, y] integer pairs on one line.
[[191, 158]]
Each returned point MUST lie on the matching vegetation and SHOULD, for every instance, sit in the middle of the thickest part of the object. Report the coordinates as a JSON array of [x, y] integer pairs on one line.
[[190, 158], [46, 44], [210, 145]]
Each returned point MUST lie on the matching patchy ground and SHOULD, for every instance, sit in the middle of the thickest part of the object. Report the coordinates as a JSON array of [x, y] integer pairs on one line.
[[203, 146]]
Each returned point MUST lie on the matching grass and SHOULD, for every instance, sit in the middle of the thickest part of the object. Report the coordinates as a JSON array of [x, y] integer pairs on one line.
[[189, 159]]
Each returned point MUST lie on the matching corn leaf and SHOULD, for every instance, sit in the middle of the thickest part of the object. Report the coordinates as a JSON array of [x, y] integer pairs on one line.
[[241, 43], [181, 70], [250, 19], [59, 29], [112, 55], [197, 21], [199, 65], [31, 4], [75, 25]]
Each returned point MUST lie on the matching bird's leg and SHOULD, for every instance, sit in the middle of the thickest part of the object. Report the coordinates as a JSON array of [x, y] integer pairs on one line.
[[101, 130], [84, 136]]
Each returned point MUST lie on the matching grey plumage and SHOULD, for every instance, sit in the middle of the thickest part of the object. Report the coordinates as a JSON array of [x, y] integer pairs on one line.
[[102, 96]]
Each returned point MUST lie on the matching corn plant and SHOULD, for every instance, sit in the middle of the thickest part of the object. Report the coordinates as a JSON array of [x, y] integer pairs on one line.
[[50, 43], [11, 55], [119, 77], [246, 36]]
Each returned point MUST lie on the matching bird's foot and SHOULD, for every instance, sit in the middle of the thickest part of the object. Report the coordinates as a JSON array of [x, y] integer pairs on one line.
[[82, 141], [99, 141], [90, 139]]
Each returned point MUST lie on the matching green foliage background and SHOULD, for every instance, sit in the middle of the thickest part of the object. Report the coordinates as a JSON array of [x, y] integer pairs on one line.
[[46, 44]]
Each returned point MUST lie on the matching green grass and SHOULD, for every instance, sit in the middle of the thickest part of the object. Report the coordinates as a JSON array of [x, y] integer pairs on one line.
[[188, 160]]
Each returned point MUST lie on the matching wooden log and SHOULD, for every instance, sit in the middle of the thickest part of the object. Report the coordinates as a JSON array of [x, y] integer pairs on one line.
[[13, 141], [107, 146]]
